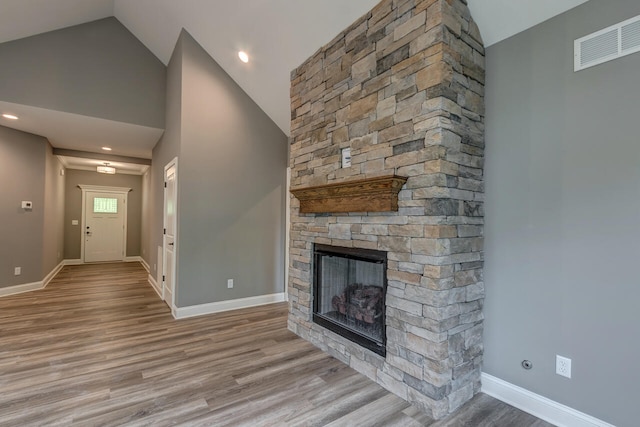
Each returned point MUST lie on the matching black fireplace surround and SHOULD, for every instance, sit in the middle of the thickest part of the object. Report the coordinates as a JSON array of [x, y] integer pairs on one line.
[[349, 290]]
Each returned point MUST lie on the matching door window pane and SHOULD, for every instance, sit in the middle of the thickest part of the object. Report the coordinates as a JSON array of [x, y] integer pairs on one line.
[[105, 205]]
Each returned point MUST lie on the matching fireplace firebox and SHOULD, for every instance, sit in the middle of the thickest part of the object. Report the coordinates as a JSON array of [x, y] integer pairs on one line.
[[349, 288]]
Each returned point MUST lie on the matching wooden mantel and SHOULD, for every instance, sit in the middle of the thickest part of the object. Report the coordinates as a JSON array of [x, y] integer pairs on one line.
[[379, 194]]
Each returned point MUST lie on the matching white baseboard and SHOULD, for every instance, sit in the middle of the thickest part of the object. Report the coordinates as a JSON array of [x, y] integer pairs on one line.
[[19, 289], [28, 287], [145, 265], [126, 259], [154, 285], [52, 274], [217, 307], [543, 408]]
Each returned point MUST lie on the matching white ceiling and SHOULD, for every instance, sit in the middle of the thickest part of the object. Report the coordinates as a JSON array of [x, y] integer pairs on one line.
[[278, 35], [82, 133], [23, 18], [501, 19]]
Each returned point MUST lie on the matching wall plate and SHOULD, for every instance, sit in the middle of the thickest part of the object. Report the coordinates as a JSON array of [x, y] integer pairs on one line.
[[346, 157]]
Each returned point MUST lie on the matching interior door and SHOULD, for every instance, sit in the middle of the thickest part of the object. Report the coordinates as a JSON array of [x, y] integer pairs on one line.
[[104, 227], [169, 247]]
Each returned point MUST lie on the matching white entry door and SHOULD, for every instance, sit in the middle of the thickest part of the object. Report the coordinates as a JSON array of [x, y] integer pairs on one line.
[[169, 241], [104, 226]]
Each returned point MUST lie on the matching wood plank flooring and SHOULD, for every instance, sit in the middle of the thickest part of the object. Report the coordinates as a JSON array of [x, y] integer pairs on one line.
[[97, 347]]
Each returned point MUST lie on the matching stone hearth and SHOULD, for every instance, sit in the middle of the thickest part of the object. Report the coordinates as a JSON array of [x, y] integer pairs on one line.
[[403, 88]]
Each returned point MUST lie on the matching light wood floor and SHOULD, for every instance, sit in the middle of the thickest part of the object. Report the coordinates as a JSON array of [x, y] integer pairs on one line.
[[98, 347]]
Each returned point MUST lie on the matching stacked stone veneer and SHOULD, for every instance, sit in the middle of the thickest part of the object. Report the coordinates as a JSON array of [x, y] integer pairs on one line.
[[403, 87]]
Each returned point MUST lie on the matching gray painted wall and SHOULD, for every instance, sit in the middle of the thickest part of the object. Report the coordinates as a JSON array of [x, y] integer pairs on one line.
[[53, 228], [22, 162], [145, 217], [231, 181], [231, 184], [97, 69], [562, 210], [165, 150], [73, 208]]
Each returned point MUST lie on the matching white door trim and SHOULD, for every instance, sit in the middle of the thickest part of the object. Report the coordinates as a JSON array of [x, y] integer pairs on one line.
[[102, 189], [172, 304]]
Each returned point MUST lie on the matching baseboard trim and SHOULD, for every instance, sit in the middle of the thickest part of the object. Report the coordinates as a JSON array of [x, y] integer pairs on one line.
[[145, 265], [34, 286], [52, 274], [217, 307], [126, 259], [20, 289], [540, 406], [154, 285]]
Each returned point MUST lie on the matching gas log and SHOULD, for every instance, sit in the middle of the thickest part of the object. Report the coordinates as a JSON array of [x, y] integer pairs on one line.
[[360, 302]]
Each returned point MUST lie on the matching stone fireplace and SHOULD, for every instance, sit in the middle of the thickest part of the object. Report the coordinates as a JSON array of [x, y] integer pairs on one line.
[[403, 89]]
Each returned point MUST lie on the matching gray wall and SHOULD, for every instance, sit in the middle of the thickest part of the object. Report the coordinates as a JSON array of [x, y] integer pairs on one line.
[[231, 184], [97, 69], [231, 180], [562, 210], [22, 162], [165, 150], [53, 227], [73, 208], [145, 217]]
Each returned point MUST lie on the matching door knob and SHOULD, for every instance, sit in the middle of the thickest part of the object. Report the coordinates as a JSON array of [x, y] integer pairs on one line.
[[170, 244]]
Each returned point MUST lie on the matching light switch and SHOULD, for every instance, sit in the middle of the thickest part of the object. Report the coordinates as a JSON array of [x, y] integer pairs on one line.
[[27, 205], [74, 222], [346, 157]]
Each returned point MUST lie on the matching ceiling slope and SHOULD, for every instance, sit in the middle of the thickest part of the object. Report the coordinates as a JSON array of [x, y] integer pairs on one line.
[[24, 18], [501, 19], [278, 34]]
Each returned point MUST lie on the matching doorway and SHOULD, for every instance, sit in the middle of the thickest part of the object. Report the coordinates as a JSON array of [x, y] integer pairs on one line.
[[169, 248], [104, 223]]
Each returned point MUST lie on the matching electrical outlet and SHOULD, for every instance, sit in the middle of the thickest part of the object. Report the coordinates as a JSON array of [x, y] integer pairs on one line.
[[17, 271], [563, 366], [230, 283]]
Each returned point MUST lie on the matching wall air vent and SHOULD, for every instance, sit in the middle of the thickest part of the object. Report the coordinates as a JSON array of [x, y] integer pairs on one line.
[[605, 45]]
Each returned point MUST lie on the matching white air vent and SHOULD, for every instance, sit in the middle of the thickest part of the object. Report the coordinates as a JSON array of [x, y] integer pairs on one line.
[[608, 44]]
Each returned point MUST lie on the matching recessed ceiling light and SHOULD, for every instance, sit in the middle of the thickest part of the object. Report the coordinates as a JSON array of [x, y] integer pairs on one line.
[[243, 56], [10, 116], [106, 148]]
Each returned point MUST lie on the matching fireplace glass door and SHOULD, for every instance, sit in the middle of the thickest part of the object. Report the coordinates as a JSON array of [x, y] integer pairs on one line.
[[349, 294]]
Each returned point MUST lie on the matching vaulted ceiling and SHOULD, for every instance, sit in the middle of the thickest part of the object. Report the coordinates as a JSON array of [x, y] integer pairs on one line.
[[278, 34]]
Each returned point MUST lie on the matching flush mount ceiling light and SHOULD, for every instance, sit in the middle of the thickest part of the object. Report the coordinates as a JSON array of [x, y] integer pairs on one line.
[[10, 116], [106, 148], [106, 169], [243, 56]]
